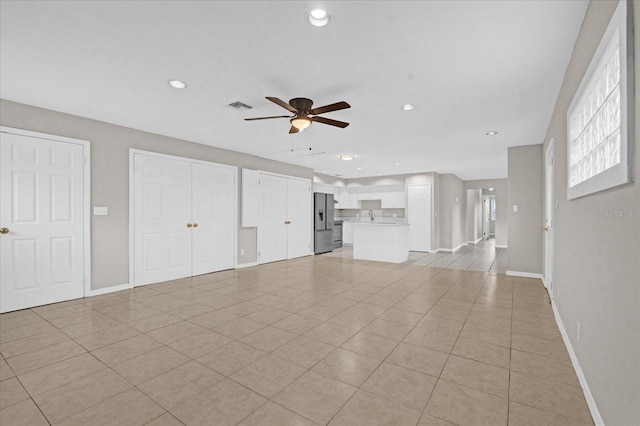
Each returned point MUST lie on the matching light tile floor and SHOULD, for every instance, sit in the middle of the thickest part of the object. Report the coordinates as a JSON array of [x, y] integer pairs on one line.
[[316, 340], [483, 256]]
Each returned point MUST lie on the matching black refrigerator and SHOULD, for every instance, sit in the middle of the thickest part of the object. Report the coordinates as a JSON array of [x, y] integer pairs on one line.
[[323, 222]]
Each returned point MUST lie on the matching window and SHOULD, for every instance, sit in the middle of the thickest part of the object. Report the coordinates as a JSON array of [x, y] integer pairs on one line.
[[493, 208], [599, 136]]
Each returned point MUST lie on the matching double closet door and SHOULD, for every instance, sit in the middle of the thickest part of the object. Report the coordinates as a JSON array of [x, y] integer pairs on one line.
[[184, 218], [284, 224]]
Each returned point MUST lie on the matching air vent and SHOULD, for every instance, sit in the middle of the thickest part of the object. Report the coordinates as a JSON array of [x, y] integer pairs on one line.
[[240, 106]]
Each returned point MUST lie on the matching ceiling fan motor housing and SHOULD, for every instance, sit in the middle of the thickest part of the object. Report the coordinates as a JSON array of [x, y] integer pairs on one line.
[[303, 105]]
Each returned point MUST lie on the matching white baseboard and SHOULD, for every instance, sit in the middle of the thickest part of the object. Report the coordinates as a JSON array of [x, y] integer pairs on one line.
[[106, 290], [504, 247], [591, 403], [246, 265], [524, 274], [451, 250]]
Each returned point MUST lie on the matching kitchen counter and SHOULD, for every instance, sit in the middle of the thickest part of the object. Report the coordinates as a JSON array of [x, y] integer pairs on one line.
[[379, 241]]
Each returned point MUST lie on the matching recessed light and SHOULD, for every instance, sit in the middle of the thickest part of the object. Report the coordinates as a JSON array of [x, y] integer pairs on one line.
[[324, 171], [347, 156], [358, 168], [177, 84], [490, 189], [397, 164], [407, 107], [492, 133], [318, 17]]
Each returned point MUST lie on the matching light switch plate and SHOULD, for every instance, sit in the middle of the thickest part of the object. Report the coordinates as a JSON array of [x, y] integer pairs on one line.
[[100, 211], [515, 208]]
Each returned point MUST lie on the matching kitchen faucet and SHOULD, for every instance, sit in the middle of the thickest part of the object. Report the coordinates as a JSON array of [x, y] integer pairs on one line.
[[371, 214]]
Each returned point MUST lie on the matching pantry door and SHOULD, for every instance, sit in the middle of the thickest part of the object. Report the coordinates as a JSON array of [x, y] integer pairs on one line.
[[214, 216], [162, 219], [299, 218], [272, 231], [43, 215]]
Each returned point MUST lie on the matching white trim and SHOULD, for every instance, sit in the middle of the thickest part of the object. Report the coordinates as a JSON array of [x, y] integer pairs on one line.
[[524, 274], [591, 402], [86, 205], [132, 153], [475, 242], [107, 290], [246, 265], [497, 246], [447, 250]]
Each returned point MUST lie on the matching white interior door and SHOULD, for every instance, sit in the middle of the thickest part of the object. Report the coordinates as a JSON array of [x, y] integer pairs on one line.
[[299, 218], [162, 235], [419, 216], [42, 210], [214, 210], [272, 232], [548, 220], [486, 217]]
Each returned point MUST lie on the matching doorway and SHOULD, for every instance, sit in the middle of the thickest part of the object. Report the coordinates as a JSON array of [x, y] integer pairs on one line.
[[488, 216], [44, 215]]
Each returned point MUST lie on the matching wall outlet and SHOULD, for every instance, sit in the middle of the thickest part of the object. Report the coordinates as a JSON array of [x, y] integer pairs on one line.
[[579, 332], [241, 252]]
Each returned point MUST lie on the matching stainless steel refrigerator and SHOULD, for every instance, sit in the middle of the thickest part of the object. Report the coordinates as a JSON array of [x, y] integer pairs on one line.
[[323, 222]]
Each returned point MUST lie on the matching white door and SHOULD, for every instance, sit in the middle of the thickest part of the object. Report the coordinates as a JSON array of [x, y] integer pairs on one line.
[[548, 220], [486, 217], [213, 216], [419, 216], [162, 219], [42, 210], [272, 231], [298, 222]]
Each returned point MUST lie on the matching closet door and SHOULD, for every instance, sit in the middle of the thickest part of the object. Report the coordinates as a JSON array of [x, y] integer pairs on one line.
[[299, 218], [213, 215], [162, 219], [272, 231]]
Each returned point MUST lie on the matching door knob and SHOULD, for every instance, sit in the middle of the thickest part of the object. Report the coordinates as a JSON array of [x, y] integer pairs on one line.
[[189, 225], [4, 231], [195, 225], [546, 228]]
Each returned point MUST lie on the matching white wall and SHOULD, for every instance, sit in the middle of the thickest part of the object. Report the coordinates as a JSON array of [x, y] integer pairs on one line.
[[597, 256]]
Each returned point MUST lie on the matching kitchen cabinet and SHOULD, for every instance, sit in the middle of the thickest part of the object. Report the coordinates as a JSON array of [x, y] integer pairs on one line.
[[390, 196], [393, 197]]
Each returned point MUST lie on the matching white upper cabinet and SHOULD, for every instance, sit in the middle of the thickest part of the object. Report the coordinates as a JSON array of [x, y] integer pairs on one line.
[[391, 196]]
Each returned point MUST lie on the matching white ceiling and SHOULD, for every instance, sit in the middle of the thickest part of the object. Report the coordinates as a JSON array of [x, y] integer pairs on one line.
[[468, 66]]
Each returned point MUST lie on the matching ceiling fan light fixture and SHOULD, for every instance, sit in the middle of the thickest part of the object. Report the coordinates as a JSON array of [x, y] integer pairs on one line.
[[300, 123], [318, 17], [407, 107], [347, 156], [492, 133]]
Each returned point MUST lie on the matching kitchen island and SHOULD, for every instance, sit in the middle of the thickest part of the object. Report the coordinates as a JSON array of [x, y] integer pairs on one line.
[[383, 242]]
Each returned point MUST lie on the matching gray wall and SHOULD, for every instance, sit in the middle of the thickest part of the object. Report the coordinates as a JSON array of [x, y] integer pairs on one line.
[[500, 191], [474, 215], [596, 261], [110, 179], [452, 216], [525, 190]]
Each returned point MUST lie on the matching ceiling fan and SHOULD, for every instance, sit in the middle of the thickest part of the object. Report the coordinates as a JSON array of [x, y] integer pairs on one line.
[[304, 115]]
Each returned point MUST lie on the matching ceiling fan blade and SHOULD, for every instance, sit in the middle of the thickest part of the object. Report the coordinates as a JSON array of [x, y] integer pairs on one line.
[[328, 108], [283, 104], [293, 129], [330, 122], [267, 118]]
